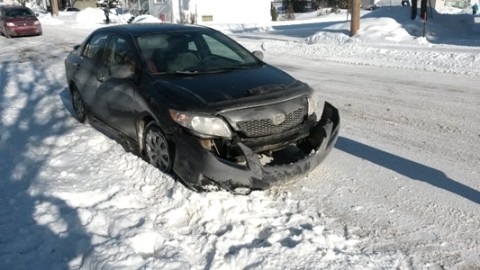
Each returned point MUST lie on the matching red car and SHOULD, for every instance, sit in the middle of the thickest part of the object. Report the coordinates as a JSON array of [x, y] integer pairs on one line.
[[19, 21]]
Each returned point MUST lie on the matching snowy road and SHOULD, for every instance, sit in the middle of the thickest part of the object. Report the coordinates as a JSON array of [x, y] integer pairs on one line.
[[405, 172], [400, 190]]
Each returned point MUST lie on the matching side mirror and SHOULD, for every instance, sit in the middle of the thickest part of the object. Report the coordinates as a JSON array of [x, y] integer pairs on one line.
[[76, 47], [258, 54], [122, 71]]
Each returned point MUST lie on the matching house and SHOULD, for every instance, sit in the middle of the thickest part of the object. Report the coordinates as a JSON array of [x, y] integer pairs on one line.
[[209, 11], [298, 6]]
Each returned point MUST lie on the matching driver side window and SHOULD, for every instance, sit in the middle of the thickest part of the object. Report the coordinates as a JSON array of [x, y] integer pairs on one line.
[[95, 47], [117, 52]]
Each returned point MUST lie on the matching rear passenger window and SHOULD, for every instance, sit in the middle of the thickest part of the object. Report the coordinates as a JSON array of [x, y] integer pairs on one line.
[[95, 47]]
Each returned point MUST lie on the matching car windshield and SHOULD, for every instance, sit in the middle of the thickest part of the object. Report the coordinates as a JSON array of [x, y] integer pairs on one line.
[[18, 13], [193, 52]]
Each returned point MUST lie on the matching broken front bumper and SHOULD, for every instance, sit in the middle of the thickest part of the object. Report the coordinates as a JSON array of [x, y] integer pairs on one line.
[[199, 167]]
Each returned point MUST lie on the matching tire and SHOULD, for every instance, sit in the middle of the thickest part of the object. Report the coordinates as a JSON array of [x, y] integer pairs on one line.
[[158, 151], [78, 106]]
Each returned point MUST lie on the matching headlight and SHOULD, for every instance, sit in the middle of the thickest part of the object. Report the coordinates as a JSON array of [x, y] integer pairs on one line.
[[312, 104], [36, 23], [10, 24], [315, 106], [202, 124]]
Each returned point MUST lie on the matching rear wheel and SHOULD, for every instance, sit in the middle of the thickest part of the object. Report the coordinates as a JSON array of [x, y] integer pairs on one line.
[[158, 151], [78, 106]]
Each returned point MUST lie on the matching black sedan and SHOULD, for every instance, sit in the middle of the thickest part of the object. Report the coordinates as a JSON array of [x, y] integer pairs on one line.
[[196, 104]]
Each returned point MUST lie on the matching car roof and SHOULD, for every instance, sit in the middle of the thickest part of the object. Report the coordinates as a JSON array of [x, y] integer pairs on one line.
[[147, 28]]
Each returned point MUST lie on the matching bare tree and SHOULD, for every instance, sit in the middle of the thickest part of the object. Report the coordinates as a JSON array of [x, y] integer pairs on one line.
[[54, 5]]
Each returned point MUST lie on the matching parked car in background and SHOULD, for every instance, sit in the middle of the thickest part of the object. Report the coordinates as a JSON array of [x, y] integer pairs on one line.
[[192, 101], [18, 21], [71, 9]]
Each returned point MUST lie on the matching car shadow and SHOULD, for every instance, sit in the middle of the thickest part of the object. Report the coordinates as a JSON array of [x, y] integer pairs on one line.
[[408, 168], [29, 238]]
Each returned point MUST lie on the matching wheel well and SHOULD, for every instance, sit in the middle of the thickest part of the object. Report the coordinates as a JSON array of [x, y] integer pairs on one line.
[[71, 86]]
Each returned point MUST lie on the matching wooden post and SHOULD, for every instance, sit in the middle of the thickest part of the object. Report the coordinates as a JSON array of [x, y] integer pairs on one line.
[[355, 23], [54, 6]]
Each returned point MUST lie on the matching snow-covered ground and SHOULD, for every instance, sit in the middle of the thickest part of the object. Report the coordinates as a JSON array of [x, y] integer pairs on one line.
[[401, 189]]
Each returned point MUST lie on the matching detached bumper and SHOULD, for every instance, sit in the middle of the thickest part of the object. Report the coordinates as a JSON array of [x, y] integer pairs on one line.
[[199, 167]]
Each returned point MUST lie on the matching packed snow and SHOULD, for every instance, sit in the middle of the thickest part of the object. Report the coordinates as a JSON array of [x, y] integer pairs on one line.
[[401, 189]]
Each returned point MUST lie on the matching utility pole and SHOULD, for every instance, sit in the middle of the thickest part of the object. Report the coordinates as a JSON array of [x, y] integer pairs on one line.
[[54, 6], [355, 23]]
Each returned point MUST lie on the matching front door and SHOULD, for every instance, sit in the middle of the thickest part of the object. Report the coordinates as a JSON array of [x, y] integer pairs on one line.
[[120, 92], [91, 74]]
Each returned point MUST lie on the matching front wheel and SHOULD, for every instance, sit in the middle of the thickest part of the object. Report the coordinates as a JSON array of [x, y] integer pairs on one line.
[[158, 151], [78, 106]]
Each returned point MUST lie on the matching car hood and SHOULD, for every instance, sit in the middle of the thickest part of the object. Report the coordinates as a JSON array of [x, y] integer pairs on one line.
[[234, 88]]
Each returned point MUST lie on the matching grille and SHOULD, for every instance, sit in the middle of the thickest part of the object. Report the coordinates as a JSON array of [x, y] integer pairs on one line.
[[264, 127], [22, 24]]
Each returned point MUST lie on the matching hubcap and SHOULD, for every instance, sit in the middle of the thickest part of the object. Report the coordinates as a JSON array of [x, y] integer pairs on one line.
[[157, 150]]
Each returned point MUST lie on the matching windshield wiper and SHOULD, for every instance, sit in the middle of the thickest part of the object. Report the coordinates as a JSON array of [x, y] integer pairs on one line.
[[214, 69], [196, 72], [230, 68], [187, 72], [240, 67]]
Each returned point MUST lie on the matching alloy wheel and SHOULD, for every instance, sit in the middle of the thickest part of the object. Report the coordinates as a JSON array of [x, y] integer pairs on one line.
[[157, 149]]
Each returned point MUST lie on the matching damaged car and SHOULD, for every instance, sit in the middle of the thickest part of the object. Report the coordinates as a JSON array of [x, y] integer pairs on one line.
[[196, 104]]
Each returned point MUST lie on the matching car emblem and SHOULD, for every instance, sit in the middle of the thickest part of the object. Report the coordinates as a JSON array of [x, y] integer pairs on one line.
[[278, 119]]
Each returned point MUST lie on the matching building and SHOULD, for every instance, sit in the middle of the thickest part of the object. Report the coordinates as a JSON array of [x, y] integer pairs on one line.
[[209, 11]]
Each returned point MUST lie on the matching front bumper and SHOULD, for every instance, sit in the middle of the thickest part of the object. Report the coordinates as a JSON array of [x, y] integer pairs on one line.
[[198, 167], [24, 30]]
